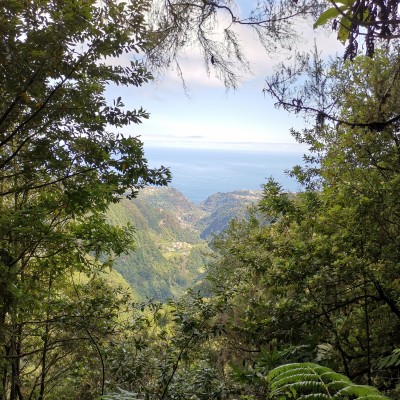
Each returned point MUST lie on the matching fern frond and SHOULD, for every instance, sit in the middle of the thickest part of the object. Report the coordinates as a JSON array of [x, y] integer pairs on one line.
[[359, 392], [373, 397], [308, 381], [331, 376], [390, 361], [300, 387]]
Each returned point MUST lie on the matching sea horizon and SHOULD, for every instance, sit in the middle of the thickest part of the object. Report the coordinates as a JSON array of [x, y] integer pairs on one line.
[[201, 172]]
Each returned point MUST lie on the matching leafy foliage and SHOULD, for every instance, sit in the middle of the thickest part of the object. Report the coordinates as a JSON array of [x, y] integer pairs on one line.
[[62, 162], [304, 277], [317, 269], [362, 19], [223, 207], [213, 27], [170, 253], [312, 381]]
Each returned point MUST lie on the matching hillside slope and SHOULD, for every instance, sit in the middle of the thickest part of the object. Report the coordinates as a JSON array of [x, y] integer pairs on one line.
[[220, 208], [171, 251]]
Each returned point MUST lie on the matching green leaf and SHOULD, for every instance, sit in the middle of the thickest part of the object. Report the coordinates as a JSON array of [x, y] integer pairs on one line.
[[344, 29], [312, 381], [328, 14]]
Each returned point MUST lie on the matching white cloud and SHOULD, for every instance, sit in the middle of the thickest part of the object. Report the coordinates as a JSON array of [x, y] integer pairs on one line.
[[262, 62], [244, 119], [194, 73]]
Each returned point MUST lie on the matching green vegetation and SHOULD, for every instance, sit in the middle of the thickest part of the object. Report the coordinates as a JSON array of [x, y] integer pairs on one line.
[[223, 207], [61, 165], [170, 253], [308, 380], [161, 266], [304, 278]]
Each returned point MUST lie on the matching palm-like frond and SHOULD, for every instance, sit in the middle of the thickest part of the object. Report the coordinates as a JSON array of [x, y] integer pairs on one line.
[[308, 381]]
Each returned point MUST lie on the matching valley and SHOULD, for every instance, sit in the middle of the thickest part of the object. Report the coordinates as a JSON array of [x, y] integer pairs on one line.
[[172, 238]]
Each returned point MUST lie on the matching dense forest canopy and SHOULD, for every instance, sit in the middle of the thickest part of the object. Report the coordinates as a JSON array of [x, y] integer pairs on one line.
[[62, 164], [308, 278]]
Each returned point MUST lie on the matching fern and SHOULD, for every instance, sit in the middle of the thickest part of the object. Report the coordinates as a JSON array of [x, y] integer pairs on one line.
[[308, 381], [390, 361]]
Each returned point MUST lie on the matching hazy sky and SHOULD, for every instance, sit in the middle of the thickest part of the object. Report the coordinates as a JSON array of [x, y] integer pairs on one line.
[[212, 117]]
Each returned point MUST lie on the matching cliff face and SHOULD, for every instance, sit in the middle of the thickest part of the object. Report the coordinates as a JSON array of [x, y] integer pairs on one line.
[[172, 250]]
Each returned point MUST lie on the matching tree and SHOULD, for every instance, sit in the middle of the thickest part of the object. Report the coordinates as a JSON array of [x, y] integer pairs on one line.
[[62, 163], [212, 27], [309, 88], [315, 271], [168, 353], [375, 21]]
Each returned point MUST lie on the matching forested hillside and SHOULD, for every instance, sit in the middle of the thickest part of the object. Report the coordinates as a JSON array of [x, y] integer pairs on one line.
[[172, 251], [221, 208], [302, 297]]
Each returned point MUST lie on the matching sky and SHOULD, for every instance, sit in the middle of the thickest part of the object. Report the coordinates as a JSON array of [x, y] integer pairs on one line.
[[209, 116]]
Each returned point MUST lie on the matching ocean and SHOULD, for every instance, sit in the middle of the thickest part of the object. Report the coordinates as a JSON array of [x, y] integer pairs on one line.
[[199, 173]]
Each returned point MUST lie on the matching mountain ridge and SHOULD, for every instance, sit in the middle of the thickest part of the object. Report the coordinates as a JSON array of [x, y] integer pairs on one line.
[[172, 237]]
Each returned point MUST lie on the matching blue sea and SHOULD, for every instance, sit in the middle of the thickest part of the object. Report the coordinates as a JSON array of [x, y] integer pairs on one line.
[[199, 173]]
